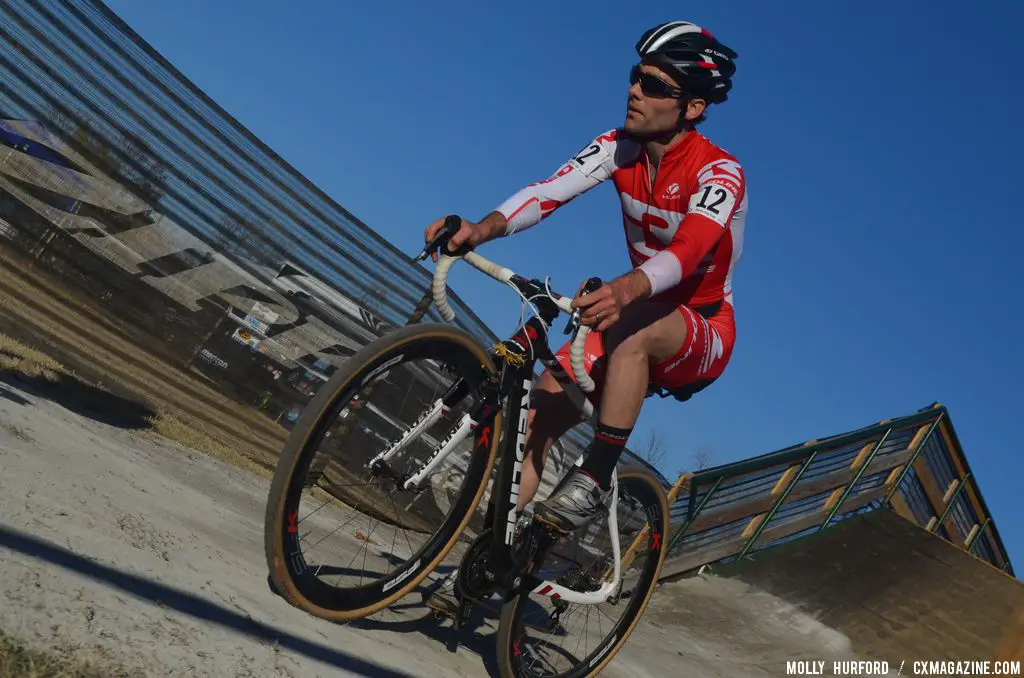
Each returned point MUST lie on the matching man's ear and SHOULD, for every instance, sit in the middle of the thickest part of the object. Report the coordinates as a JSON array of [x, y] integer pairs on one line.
[[694, 108]]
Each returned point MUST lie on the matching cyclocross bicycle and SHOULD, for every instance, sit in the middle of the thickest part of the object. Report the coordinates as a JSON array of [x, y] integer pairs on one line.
[[391, 459]]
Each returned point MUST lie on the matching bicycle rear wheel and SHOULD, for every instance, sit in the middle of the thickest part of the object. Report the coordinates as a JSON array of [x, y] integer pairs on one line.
[[534, 634], [386, 539]]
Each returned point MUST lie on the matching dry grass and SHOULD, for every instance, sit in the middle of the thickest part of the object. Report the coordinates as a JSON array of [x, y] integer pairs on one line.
[[31, 362], [61, 330], [48, 314], [18, 661], [194, 435], [21, 359]]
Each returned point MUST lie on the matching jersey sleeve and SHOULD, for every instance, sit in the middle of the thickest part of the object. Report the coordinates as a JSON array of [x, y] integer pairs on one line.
[[593, 164], [721, 190]]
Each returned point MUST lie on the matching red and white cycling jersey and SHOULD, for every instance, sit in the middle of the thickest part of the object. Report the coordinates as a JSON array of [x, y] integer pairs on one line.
[[684, 227]]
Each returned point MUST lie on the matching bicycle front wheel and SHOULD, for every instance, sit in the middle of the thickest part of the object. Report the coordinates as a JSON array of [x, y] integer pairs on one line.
[[541, 636], [345, 538]]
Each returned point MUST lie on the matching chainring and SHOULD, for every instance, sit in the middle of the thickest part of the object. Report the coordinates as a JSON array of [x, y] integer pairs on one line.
[[472, 581]]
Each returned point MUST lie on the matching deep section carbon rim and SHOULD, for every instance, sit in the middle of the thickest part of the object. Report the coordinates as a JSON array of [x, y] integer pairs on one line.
[[352, 538]]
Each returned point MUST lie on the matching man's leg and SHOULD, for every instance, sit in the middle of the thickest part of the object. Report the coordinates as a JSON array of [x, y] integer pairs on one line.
[[649, 336], [646, 335], [551, 415]]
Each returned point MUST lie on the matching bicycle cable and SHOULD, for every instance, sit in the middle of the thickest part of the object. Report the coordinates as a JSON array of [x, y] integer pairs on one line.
[[528, 301]]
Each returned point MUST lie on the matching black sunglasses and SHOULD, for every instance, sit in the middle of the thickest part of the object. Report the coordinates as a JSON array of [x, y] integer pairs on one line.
[[653, 86]]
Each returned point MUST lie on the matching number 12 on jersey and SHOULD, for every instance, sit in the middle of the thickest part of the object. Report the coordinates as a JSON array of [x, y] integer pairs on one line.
[[714, 202]]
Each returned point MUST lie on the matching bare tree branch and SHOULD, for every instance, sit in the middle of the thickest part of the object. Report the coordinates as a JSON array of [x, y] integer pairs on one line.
[[652, 448], [703, 456]]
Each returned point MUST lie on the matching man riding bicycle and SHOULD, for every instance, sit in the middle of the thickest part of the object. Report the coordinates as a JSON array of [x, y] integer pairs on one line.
[[669, 322]]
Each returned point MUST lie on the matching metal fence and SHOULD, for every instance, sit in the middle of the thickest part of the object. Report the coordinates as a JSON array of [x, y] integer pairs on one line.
[[107, 142], [171, 225]]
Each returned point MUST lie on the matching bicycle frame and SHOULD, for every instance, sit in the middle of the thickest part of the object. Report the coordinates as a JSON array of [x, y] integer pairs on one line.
[[515, 359], [502, 511]]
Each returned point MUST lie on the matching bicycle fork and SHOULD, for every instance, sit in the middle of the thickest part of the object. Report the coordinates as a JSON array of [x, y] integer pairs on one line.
[[455, 436]]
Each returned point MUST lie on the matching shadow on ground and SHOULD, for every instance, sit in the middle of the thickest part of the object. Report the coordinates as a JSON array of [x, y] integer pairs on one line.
[[411, 615], [187, 603], [475, 636], [78, 397], [12, 396]]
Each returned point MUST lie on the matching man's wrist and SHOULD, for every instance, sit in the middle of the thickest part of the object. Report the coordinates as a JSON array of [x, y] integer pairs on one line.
[[633, 286], [492, 226]]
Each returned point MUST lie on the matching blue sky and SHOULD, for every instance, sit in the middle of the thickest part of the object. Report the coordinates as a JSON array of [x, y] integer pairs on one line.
[[880, 270]]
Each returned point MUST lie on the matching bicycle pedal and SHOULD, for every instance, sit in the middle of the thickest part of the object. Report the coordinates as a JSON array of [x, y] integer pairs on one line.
[[551, 526], [438, 615], [462, 616]]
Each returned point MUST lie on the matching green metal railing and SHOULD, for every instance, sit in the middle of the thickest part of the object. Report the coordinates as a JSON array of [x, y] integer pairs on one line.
[[977, 535], [775, 507], [913, 458], [856, 477], [795, 453], [952, 500], [730, 514], [692, 512]]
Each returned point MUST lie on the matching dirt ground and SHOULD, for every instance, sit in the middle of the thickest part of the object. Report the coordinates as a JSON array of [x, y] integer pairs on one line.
[[122, 546], [130, 546], [156, 551]]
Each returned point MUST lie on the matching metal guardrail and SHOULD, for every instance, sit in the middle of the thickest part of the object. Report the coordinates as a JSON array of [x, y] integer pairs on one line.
[[78, 69]]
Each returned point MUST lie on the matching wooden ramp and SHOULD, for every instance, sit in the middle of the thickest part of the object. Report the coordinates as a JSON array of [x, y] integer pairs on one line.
[[895, 590]]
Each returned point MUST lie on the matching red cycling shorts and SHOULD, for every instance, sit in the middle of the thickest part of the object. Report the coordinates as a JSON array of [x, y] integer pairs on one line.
[[701, 358]]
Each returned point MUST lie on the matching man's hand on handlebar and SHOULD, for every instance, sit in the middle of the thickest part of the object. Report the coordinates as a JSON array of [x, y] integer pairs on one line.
[[600, 304], [469, 233], [461, 237], [603, 306]]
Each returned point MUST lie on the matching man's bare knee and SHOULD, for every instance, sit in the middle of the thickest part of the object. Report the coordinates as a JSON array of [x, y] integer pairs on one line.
[[550, 406], [633, 353], [653, 343], [551, 415]]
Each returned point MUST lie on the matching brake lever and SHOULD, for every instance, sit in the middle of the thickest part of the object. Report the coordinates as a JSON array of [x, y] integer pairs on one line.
[[573, 326], [451, 226]]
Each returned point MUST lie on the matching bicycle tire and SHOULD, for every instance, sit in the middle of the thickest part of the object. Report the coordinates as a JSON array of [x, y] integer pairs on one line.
[[594, 663], [285, 574]]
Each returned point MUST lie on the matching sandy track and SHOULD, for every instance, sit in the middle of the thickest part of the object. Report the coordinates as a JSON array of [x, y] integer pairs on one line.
[[120, 540], [126, 542], [112, 538]]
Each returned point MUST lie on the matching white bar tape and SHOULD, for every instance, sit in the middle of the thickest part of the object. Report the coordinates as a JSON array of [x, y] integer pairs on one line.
[[492, 269], [440, 287], [565, 303], [579, 369], [502, 274]]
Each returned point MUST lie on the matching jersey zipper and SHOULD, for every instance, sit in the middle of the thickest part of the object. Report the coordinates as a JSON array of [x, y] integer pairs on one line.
[[652, 179]]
